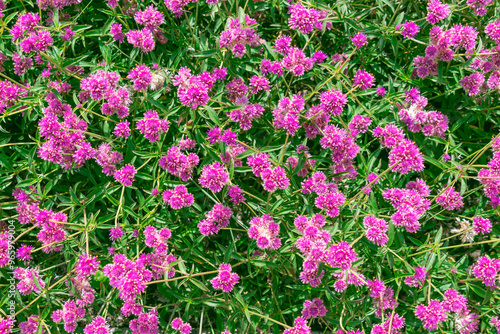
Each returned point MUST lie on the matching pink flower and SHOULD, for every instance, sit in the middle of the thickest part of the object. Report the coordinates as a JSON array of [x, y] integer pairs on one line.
[[214, 177], [125, 175], [487, 270], [29, 326], [305, 20], [287, 113], [481, 225], [236, 195], [359, 124], [265, 231], [215, 219], [150, 18], [341, 255], [151, 126], [226, 279], [331, 202], [178, 163], [333, 102], [116, 31], [29, 281], [454, 302], [70, 314], [450, 199], [418, 279], [359, 40], [299, 327], [274, 178], [406, 157], [122, 129], [141, 77], [183, 327], [98, 326], [23, 253], [376, 230], [436, 11], [116, 233], [146, 323], [472, 83], [142, 39], [363, 79], [410, 29], [178, 197], [431, 315], [313, 309], [86, 266]]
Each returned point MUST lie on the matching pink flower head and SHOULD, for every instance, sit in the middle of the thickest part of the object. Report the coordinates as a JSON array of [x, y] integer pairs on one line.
[[406, 157], [487, 270], [146, 323], [265, 231], [178, 163], [226, 279], [359, 40], [116, 31], [359, 124], [183, 327], [299, 327], [24, 253], [116, 233], [122, 129], [363, 79], [381, 91], [313, 309], [125, 175], [29, 326], [376, 230], [151, 126], [150, 18], [141, 77], [481, 225], [98, 326], [410, 29], [287, 113], [178, 198], [236, 195], [274, 178], [214, 177], [437, 11], [331, 202], [142, 39], [472, 83], [70, 314], [303, 19], [333, 102], [454, 302], [341, 255], [215, 219], [450, 199], [86, 266], [431, 315], [29, 281]]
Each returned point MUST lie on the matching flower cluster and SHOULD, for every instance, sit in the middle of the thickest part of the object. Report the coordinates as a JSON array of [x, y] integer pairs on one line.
[[181, 326], [152, 125], [178, 198], [146, 323], [313, 309], [286, 114], [70, 314], [29, 281], [487, 270], [215, 219], [214, 177], [265, 231], [97, 326], [376, 230], [305, 20], [238, 35], [178, 163], [226, 279]]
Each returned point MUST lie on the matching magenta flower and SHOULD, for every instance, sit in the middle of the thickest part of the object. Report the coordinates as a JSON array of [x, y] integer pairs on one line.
[[274, 178], [406, 157], [116, 31], [28, 279], [487, 270], [27, 327], [313, 309], [226, 279], [122, 129], [86, 266], [183, 327], [454, 302], [437, 11], [178, 198], [265, 231], [142, 39], [376, 230], [116, 233], [149, 18], [141, 77], [418, 279], [333, 102], [151, 126], [23, 253], [125, 175], [410, 29], [341, 255], [363, 79], [431, 315], [236, 195], [287, 113], [450, 199], [178, 163], [299, 327], [215, 219], [70, 314], [146, 323], [214, 177], [359, 124], [481, 225], [305, 20], [359, 40], [472, 83], [98, 326]]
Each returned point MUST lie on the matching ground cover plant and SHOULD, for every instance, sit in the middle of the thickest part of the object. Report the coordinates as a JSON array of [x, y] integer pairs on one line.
[[249, 166]]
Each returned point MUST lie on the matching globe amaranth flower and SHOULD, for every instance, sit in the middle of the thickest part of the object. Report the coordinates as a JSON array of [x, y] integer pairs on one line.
[[363, 79], [125, 175], [226, 279], [214, 177], [141, 77], [313, 309], [29, 281], [376, 230], [406, 157], [146, 323], [431, 315], [265, 231], [418, 279], [98, 326], [151, 126], [410, 29], [450, 199], [287, 113], [215, 219], [178, 198], [181, 326], [178, 163], [359, 40], [86, 265], [70, 314], [487, 270], [437, 11], [299, 327], [333, 102], [481, 225]]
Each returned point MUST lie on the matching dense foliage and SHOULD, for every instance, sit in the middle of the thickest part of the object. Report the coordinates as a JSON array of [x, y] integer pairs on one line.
[[249, 166]]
